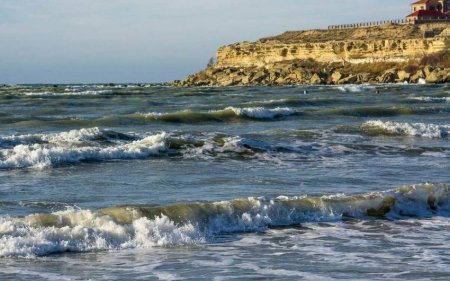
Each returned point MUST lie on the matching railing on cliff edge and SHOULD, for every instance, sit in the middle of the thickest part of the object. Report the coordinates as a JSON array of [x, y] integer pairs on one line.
[[368, 24]]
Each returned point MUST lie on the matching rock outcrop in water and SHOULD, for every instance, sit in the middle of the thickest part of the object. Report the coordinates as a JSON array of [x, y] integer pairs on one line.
[[382, 54]]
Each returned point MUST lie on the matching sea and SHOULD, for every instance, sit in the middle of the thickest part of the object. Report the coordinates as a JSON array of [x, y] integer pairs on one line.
[[151, 182]]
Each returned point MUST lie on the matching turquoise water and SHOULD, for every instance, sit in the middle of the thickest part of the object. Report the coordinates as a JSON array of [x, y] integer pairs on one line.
[[129, 182]]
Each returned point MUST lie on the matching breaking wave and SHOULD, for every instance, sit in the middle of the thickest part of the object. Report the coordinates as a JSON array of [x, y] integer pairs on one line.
[[44, 150], [125, 227], [224, 115], [69, 93], [261, 112], [94, 145], [378, 127], [40, 151], [352, 88], [432, 99]]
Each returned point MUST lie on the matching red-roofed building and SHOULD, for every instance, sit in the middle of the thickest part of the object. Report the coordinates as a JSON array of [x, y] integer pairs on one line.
[[429, 10], [432, 5]]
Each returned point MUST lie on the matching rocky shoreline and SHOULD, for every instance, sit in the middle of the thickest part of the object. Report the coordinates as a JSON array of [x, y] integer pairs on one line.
[[281, 74], [389, 53]]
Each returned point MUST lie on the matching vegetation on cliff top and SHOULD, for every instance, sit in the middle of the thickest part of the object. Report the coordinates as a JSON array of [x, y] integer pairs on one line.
[[381, 32]]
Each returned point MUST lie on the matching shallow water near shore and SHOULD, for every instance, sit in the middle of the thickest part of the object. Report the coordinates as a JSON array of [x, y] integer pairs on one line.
[[129, 182]]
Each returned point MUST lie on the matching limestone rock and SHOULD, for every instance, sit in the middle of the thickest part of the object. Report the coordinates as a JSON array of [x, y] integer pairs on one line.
[[280, 81], [336, 76], [351, 79], [416, 76], [427, 70], [435, 77], [202, 83], [315, 79], [299, 74], [274, 74], [446, 78], [390, 43], [389, 76], [363, 78], [225, 81], [403, 76], [259, 76]]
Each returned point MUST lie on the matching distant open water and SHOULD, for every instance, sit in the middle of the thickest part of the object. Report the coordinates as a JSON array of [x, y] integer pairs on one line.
[[128, 182]]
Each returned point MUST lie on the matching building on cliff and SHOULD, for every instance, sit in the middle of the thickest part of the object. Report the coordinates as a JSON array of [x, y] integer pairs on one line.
[[442, 6], [429, 10]]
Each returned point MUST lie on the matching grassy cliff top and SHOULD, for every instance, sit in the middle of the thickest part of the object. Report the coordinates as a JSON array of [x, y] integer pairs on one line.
[[381, 32]]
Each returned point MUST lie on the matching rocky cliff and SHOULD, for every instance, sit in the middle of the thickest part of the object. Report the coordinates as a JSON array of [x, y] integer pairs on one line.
[[387, 53]]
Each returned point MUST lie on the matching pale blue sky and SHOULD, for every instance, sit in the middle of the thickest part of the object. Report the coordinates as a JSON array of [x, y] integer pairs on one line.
[[86, 41]]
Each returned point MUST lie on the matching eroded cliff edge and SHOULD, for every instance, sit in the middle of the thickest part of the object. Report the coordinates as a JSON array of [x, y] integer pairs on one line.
[[381, 54]]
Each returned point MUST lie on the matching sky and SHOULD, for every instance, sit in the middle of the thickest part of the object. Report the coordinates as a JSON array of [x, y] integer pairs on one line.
[[143, 41]]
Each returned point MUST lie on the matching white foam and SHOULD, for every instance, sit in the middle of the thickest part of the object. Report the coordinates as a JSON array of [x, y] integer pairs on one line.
[[421, 81], [432, 99], [268, 102], [157, 115], [250, 112], [262, 112], [84, 230], [94, 144], [73, 136], [39, 94], [227, 146], [410, 129], [39, 151], [352, 88], [69, 93], [211, 148]]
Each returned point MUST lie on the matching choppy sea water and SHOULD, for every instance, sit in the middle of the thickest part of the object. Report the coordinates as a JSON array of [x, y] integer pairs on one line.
[[144, 182]]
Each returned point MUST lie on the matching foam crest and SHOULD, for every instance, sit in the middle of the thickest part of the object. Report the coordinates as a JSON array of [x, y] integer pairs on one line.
[[217, 146], [432, 99], [261, 112], [223, 115], [192, 223], [406, 129], [94, 144], [39, 151], [352, 88], [69, 93], [84, 230], [72, 136]]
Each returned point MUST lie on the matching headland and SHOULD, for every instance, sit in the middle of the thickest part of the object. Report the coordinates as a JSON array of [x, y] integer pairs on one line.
[[415, 49], [386, 53]]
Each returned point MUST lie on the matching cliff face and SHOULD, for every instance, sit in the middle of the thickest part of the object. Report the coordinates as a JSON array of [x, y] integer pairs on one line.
[[260, 54], [380, 54], [391, 43]]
